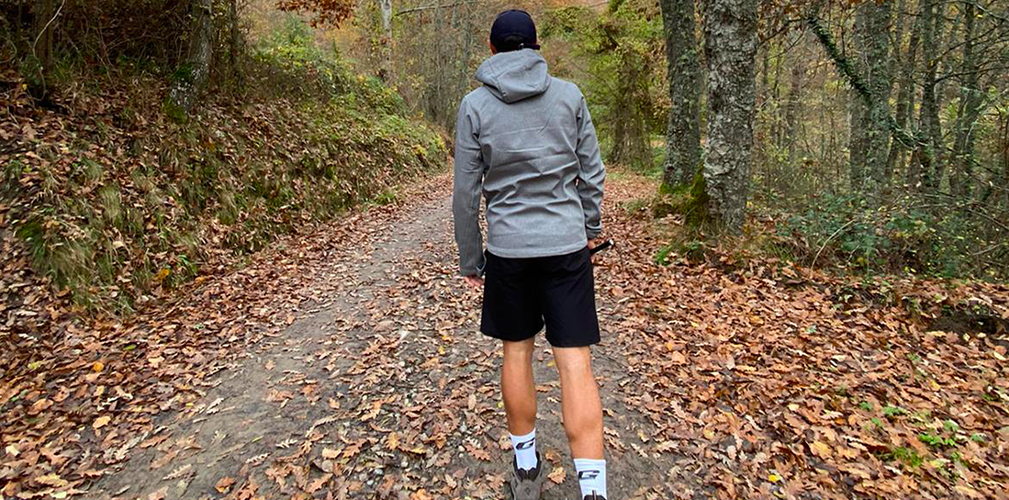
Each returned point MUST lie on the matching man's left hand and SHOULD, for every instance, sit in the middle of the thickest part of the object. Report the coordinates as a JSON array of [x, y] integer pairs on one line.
[[474, 281]]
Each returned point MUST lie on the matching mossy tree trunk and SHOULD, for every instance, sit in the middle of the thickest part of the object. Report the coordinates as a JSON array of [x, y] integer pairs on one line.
[[683, 134], [192, 78], [730, 34], [870, 130], [925, 170]]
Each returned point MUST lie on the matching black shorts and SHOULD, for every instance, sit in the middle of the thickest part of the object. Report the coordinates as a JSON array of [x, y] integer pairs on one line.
[[521, 295]]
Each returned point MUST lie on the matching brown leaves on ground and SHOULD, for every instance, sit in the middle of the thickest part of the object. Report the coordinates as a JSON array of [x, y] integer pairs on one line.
[[832, 387], [81, 396], [757, 379]]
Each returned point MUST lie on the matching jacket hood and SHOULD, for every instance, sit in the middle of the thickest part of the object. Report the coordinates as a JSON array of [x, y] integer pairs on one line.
[[514, 76]]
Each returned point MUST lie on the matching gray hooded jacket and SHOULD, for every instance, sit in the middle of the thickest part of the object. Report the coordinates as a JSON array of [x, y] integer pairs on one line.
[[526, 142]]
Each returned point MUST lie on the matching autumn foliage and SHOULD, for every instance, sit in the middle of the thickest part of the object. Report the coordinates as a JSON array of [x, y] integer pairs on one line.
[[326, 12]]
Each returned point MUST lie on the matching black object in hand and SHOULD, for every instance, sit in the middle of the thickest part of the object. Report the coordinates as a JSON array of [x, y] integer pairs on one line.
[[601, 247]]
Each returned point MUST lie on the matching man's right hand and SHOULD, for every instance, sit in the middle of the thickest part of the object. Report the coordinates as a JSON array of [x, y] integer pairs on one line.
[[592, 244], [474, 281]]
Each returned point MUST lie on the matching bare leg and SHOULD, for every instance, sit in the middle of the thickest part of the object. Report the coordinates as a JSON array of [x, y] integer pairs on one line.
[[518, 388], [583, 411]]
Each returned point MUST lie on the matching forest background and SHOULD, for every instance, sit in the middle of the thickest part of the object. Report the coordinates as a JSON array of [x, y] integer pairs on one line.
[[863, 137], [839, 166]]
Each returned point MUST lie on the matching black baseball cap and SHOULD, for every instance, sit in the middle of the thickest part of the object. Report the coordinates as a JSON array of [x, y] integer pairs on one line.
[[513, 30]]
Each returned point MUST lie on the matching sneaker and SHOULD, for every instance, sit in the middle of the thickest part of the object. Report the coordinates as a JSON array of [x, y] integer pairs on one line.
[[526, 484]]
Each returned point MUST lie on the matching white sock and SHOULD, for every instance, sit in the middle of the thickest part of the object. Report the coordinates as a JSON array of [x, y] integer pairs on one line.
[[591, 476], [525, 450]]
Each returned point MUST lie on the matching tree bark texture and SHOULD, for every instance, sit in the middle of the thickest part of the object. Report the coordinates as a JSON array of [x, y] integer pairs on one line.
[[235, 42], [1004, 118], [43, 45], [730, 33], [187, 87], [968, 111], [683, 132], [385, 41], [869, 121], [929, 152], [905, 96]]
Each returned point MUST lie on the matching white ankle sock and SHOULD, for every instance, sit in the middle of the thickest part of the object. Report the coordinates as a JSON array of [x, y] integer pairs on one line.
[[591, 476], [525, 450]]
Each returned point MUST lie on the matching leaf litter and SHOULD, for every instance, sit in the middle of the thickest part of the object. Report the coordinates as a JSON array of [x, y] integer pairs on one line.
[[723, 379]]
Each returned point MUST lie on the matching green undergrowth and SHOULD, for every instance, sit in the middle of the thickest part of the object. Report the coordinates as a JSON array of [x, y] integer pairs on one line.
[[121, 206], [928, 236]]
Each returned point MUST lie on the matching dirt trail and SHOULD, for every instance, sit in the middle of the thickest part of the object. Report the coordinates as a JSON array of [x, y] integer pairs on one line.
[[383, 389], [346, 363]]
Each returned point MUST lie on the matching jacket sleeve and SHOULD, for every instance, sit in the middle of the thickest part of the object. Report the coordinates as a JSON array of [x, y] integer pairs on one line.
[[591, 174], [467, 192]]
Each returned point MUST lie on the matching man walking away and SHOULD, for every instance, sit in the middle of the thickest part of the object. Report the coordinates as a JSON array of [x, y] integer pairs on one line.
[[525, 141]]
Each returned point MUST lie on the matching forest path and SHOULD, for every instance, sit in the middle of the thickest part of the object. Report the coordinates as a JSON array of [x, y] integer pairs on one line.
[[382, 388], [345, 362]]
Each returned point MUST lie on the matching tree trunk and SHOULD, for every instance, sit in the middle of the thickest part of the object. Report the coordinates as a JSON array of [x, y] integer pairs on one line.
[[683, 133], [793, 109], [935, 123], [858, 108], [870, 129], [465, 75], [43, 43], [193, 77], [905, 98], [235, 42], [857, 139], [630, 144], [730, 33], [968, 111], [881, 84], [385, 41], [1005, 158], [921, 172]]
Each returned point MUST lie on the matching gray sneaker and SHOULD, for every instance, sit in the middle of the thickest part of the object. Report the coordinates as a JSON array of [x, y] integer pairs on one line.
[[526, 484]]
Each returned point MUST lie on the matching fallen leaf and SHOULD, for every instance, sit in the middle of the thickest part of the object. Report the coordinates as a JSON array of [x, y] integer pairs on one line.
[[224, 484], [821, 450], [557, 475], [101, 422], [158, 495]]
